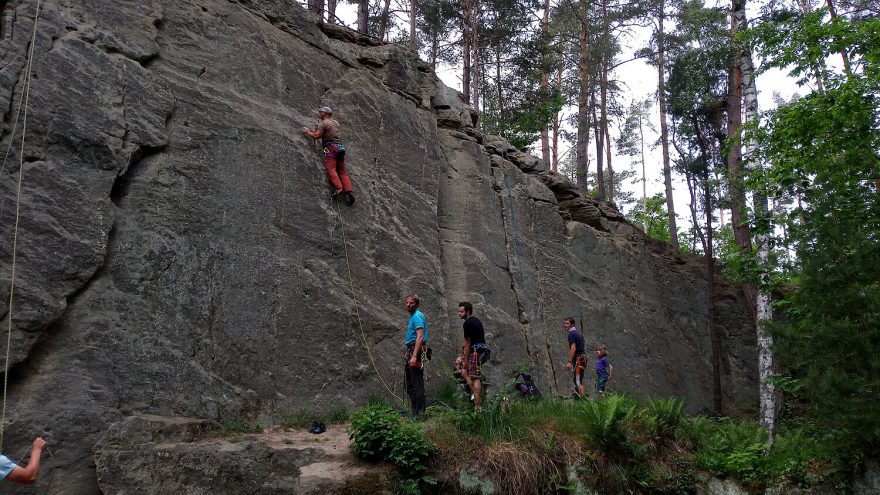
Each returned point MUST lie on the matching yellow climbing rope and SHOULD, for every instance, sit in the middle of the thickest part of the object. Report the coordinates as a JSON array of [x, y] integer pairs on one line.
[[27, 89], [357, 310]]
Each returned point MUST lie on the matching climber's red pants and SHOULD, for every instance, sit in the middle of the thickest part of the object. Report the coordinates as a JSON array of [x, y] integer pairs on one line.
[[334, 162]]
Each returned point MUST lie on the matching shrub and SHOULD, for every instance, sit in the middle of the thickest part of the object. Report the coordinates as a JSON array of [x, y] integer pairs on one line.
[[372, 430], [377, 433], [410, 450], [664, 416], [603, 421], [733, 448]]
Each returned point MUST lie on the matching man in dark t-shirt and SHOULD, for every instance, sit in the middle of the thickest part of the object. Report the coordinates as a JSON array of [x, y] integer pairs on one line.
[[577, 356], [474, 351]]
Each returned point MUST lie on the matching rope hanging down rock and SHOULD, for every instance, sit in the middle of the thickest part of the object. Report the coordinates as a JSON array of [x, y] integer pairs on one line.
[[357, 310], [27, 89]]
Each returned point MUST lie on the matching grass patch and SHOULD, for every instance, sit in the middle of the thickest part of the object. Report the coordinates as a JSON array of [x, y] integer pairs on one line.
[[618, 445], [236, 426], [300, 418]]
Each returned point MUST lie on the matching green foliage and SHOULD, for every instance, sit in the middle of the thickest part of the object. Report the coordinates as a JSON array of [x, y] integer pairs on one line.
[[732, 448], [234, 426], [377, 433], [655, 217], [604, 420], [410, 450], [822, 149], [634, 447], [372, 431], [664, 416]]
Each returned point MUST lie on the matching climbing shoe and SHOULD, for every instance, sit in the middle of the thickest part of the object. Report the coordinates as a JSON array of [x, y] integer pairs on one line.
[[349, 198], [335, 194]]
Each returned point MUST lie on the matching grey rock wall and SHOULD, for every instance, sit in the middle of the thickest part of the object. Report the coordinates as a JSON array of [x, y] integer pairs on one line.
[[177, 254]]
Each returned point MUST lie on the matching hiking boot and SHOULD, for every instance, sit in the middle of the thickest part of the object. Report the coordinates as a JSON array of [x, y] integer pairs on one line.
[[349, 198]]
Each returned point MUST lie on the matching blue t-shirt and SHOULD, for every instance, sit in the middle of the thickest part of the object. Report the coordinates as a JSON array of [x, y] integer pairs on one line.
[[575, 337], [416, 320], [6, 466]]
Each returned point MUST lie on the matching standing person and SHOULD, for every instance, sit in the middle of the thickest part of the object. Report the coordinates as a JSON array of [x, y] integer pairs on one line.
[[474, 352], [577, 357], [329, 133], [603, 368], [11, 471], [416, 342]]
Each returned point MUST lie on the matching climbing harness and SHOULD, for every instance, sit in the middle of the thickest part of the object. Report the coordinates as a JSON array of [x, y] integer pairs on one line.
[[357, 310], [27, 88]]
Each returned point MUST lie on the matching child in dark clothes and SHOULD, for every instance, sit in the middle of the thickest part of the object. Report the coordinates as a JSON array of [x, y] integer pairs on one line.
[[603, 368]]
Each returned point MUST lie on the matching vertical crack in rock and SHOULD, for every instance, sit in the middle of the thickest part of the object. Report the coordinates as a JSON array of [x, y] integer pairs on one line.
[[519, 290]]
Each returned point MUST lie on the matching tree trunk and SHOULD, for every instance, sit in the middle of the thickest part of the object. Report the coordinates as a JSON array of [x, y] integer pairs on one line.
[[545, 81], [770, 399], [600, 152], [695, 217], [644, 178], [713, 327], [664, 131], [606, 50], [413, 38], [498, 89], [317, 6], [738, 220], [714, 336], [604, 192], [383, 20], [363, 16], [833, 13], [475, 58], [583, 116], [466, 50], [331, 11], [556, 125]]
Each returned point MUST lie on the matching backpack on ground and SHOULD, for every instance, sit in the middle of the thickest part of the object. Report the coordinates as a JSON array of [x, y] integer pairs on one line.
[[526, 387]]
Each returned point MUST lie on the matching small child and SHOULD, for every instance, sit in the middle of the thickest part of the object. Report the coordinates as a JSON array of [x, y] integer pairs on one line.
[[603, 368]]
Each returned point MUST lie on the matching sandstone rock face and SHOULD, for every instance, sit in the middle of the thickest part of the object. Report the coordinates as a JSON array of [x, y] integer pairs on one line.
[[178, 255]]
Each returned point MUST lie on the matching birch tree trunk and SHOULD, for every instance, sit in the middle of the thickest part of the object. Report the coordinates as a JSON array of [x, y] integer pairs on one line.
[[768, 394]]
